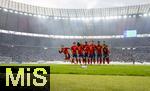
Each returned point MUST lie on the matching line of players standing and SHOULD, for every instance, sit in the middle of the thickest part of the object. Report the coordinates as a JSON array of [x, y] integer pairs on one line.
[[87, 53]]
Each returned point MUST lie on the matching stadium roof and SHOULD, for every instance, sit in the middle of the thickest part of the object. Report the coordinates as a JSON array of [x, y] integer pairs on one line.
[[99, 9], [86, 4]]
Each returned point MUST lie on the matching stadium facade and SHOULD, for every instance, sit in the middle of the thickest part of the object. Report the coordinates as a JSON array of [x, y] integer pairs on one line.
[[32, 33]]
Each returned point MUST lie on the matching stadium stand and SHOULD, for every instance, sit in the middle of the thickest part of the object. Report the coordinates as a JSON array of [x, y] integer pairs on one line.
[[30, 48]]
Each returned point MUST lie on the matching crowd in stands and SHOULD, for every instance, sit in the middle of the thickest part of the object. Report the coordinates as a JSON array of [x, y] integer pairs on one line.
[[28, 54]]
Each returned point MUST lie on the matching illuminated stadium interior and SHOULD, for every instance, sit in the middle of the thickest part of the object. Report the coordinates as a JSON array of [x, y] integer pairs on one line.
[[36, 32]]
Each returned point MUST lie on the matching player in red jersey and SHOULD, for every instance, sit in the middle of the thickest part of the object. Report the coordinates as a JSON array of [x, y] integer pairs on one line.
[[106, 54], [86, 52], [99, 48], [94, 46], [92, 52], [65, 51], [80, 52], [104, 44], [74, 49]]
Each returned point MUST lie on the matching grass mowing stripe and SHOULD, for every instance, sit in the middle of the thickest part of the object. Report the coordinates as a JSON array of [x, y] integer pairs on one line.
[[125, 70], [70, 82]]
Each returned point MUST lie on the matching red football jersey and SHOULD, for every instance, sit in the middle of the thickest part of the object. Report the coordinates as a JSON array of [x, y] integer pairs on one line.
[[64, 50], [80, 49], [91, 49], [74, 49], [99, 49], [86, 49], [106, 50]]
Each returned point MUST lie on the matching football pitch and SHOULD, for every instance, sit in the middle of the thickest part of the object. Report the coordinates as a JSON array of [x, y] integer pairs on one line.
[[99, 77]]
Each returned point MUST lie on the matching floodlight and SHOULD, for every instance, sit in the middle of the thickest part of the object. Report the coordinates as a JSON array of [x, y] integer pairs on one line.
[[97, 18], [78, 18], [107, 17], [115, 17], [25, 13], [73, 18], [35, 15], [82, 18], [11, 11], [20, 13], [134, 48], [134, 16], [128, 48], [59, 17], [145, 15], [16, 12], [123, 48], [45, 48], [12, 45], [30, 15], [39, 16], [129, 16], [119, 17], [6, 10], [46, 17], [103, 18], [90, 18], [86, 19], [140, 15], [55, 18], [125, 16]]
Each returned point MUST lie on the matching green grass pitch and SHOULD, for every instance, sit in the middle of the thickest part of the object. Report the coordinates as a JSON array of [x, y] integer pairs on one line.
[[100, 78]]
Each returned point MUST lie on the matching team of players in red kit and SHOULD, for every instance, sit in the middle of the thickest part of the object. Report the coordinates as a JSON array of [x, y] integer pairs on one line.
[[86, 53]]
